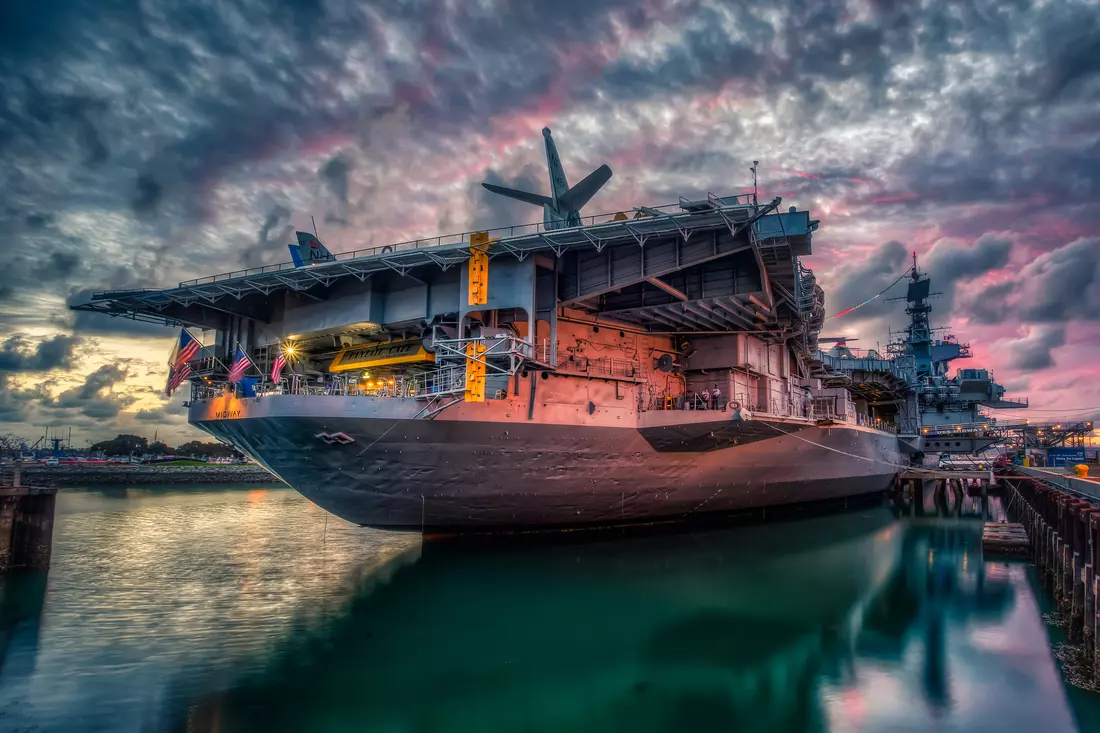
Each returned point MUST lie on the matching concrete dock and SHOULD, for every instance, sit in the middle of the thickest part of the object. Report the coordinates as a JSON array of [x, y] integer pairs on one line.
[[1088, 486]]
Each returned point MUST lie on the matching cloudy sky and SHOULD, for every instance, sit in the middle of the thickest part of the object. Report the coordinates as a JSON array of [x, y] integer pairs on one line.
[[145, 142]]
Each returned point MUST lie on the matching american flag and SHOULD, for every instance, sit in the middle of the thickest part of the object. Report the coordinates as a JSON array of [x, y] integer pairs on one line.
[[176, 377], [185, 349], [277, 367], [240, 365]]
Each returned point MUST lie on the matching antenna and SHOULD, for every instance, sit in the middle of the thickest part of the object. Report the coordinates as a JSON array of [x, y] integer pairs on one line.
[[318, 234], [755, 163]]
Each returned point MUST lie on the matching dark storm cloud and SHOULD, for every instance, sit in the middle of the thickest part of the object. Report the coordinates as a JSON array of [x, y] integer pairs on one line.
[[951, 263], [1063, 284], [15, 403], [95, 397], [41, 259], [989, 305], [334, 174], [1035, 351], [493, 210], [21, 353], [861, 280], [270, 245], [1073, 45], [148, 142], [1056, 287], [153, 416], [172, 411], [147, 195]]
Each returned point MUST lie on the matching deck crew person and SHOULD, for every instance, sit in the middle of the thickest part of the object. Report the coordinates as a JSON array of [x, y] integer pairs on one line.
[[706, 398], [715, 395]]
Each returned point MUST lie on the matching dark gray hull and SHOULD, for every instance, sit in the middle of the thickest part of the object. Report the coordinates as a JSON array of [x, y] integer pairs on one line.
[[461, 475]]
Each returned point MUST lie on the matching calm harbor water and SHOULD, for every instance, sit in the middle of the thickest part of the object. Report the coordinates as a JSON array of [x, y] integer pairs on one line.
[[196, 609]]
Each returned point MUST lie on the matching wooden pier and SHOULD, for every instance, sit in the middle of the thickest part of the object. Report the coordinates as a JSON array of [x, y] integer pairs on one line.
[[913, 482], [26, 525], [1005, 538], [1065, 543]]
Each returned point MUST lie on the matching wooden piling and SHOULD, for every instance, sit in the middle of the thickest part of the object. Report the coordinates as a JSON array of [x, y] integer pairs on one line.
[[1077, 602], [1088, 617], [1067, 577], [1095, 621]]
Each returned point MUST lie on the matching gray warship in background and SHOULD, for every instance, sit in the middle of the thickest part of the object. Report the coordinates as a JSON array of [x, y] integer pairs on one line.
[[660, 364]]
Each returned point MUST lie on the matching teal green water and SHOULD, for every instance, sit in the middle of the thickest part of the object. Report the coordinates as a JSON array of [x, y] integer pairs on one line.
[[250, 610]]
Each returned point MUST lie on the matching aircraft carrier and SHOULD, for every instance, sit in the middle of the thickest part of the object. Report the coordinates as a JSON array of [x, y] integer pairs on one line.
[[655, 364]]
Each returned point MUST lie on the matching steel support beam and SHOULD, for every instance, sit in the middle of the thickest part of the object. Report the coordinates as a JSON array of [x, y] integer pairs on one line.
[[676, 293]]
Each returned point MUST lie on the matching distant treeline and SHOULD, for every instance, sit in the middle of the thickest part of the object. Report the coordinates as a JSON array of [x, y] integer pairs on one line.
[[127, 445]]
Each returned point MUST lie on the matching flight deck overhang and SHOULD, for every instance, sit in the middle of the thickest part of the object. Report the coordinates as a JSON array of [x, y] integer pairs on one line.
[[204, 302]]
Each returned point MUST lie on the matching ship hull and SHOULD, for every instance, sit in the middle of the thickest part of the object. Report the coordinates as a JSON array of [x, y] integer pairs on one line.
[[460, 475]]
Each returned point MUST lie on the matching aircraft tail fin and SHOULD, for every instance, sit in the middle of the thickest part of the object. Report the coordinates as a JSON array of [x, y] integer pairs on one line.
[[559, 186], [528, 198], [309, 250], [579, 195], [296, 254]]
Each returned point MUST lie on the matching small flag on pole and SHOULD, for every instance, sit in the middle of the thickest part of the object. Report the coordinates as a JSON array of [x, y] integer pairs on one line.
[[277, 367], [176, 378], [240, 364], [185, 349]]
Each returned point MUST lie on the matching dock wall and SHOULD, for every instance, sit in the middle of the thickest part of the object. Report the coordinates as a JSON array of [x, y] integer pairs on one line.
[[1065, 544], [140, 475], [26, 527]]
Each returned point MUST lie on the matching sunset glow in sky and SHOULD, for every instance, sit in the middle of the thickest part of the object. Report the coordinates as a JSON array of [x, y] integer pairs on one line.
[[146, 142]]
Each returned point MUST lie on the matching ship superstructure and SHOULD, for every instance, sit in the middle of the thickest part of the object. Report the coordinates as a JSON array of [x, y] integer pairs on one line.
[[654, 364], [910, 388]]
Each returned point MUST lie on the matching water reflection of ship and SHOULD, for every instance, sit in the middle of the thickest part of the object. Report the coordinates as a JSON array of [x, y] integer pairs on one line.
[[943, 578], [682, 631]]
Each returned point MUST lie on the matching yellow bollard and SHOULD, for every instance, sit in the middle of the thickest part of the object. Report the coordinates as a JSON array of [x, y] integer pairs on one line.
[[1027, 461], [1081, 470]]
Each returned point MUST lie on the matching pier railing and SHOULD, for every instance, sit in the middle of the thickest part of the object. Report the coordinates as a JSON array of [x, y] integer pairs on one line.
[[811, 408]]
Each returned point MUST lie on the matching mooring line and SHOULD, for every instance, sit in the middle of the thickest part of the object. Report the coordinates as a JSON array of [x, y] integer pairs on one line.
[[383, 435], [851, 455]]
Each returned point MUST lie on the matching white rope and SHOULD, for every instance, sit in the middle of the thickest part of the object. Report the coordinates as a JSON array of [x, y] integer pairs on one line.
[[852, 455], [383, 435]]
